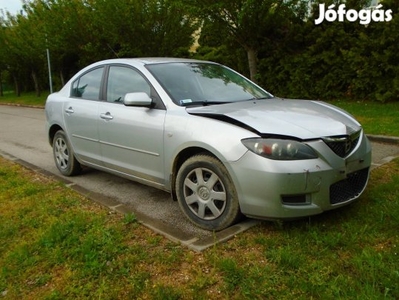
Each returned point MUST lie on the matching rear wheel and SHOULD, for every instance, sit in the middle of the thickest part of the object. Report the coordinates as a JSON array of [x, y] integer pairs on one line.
[[63, 155], [206, 193]]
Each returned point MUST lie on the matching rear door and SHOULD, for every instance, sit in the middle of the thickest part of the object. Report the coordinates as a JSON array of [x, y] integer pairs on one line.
[[81, 116], [131, 138]]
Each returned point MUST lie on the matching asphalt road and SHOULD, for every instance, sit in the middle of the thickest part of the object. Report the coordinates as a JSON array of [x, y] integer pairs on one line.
[[23, 139]]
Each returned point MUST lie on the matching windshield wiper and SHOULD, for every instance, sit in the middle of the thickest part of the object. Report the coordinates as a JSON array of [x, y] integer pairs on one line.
[[202, 103], [255, 98]]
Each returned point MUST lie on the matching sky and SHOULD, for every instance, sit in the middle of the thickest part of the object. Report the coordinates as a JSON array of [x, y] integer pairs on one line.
[[13, 6]]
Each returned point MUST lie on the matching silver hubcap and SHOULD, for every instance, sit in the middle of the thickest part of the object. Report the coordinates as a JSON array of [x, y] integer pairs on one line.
[[61, 153], [205, 194]]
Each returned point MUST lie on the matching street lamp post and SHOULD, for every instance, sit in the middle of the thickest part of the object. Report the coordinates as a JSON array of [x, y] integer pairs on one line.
[[49, 67]]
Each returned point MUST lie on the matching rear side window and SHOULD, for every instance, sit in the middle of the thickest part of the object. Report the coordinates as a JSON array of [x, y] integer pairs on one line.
[[88, 85]]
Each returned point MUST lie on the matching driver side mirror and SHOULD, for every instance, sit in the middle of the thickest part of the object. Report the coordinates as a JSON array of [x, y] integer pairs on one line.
[[137, 99]]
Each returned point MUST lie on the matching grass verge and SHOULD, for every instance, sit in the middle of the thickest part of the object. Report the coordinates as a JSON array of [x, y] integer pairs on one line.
[[55, 244], [25, 99], [376, 118]]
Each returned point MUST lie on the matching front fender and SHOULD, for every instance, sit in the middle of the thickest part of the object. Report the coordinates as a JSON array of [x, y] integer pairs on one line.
[[221, 139]]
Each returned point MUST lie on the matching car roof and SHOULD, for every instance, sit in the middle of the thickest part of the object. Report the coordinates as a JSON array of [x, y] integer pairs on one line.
[[152, 60]]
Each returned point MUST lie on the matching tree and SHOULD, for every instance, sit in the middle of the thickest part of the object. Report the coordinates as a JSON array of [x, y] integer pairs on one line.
[[80, 32], [65, 31], [273, 42], [142, 28], [2, 54], [20, 51], [375, 60], [251, 23]]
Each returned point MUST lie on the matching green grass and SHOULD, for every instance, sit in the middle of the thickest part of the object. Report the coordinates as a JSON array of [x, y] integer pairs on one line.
[[376, 118], [55, 244], [25, 98]]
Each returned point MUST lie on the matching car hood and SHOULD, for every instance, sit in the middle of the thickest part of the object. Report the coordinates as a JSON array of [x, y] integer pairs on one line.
[[302, 119]]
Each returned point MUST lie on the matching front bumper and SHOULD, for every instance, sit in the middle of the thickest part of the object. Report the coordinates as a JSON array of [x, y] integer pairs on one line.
[[271, 189]]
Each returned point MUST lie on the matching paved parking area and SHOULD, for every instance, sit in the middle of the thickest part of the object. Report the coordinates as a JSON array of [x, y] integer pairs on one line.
[[23, 140]]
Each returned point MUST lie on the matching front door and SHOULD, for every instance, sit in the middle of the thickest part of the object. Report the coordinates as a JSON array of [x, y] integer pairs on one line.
[[131, 138]]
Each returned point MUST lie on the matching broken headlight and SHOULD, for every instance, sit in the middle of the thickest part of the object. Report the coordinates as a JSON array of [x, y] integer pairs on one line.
[[280, 149]]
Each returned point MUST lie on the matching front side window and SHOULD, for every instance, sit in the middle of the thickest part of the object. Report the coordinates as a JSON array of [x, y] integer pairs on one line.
[[123, 80], [88, 85], [192, 83]]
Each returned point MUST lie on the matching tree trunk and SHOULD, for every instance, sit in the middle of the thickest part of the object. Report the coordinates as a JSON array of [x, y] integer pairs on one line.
[[17, 85], [36, 83], [62, 78], [253, 63]]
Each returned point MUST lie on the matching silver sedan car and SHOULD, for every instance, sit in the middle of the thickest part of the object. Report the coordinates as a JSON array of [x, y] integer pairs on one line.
[[220, 144]]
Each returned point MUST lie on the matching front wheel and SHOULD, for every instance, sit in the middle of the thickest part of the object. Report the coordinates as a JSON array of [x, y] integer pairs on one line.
[[63, 155], [206, 193]]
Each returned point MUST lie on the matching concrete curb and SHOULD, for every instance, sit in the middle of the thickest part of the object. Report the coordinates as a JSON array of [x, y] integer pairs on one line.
[[383, 139]]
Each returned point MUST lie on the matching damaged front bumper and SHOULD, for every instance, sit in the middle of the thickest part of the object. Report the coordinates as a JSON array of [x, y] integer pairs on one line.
[[271, 189]]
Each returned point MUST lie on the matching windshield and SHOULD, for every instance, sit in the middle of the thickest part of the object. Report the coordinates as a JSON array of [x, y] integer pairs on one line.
[[204, 83]]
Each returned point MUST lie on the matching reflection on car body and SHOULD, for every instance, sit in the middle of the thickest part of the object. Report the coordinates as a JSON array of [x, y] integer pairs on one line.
[[220, 144]]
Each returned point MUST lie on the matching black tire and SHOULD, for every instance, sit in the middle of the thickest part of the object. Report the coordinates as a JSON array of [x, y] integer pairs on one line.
[[63, 155], [206, 194]]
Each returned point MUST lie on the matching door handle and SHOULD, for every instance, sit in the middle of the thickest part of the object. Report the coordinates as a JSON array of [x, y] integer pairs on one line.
[[69, 110], [106, 116]]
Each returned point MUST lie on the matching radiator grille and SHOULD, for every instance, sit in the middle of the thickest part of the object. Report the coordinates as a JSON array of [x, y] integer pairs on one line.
[[343, 145]]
